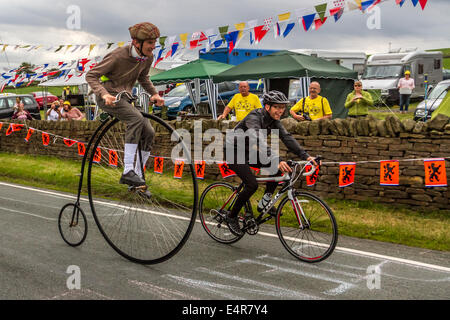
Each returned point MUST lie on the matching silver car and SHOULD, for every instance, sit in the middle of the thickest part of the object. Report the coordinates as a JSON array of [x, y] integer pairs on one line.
[[425, 108]]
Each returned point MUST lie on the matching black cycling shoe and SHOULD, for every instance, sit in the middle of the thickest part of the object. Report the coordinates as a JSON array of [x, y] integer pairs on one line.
[[132, 179], [233, 225]]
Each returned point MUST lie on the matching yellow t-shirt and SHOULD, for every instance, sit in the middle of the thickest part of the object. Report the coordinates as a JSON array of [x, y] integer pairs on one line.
[[243, 105], [313, 107]]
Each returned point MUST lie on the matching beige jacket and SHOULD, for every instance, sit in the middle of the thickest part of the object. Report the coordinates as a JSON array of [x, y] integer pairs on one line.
[[122, 70]]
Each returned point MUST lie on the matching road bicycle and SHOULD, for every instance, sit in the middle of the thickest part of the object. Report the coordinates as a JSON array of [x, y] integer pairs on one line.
[[142, 229], [305, 224]]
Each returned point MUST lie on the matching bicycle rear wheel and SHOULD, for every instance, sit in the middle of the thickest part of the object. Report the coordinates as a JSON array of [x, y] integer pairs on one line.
[[311, 234], [143, 230], [215, 200]]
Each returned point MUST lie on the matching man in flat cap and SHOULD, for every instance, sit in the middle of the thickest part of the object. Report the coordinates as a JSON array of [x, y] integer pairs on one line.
[[119, 71]]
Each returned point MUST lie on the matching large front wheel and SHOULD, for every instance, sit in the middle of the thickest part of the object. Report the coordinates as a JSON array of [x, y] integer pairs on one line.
[[306, 227], [141, 228]]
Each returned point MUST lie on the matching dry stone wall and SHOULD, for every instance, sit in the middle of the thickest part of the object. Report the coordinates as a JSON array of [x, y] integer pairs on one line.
[[364, 141]]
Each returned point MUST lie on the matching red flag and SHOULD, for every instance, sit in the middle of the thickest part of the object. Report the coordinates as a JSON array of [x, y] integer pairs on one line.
[[435, 174], [81, 148], [311, 179], [260, 32], [17, 127], [97, 156], [200, 169], [69, 142], [45, 138], [178, 169], [159, 165], [346, 173], [113, 158], [389, 173], [225, 170], [30, 132], [318, 23], [423, 3], [9, 130]]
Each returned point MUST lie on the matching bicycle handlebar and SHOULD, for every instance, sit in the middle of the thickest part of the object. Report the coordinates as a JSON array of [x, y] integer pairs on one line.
[[292, 163], [132, 97]]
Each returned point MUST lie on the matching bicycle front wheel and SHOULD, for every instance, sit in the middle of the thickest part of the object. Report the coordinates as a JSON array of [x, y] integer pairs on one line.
[[306, 227], [143, 229], [215, 201]]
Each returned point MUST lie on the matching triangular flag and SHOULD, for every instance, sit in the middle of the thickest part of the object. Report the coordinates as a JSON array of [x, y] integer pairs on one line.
[[225, 170], [260, 32], [200, 169], [45, 138], [389, 173], [159, 165], [318, 23], [288, 29], [162, 41], [435, 173], [321, 10], [240, 27], [30, 132], [81, 148], [311, 179], [17, 127], [69, 142], [113, 158], [9, 130], [308, 21], [231, 39], [366, 4], [183, 38], [178, 169], [120, 44], [423, 3], [97, 155], [223, 31], [346, 173]]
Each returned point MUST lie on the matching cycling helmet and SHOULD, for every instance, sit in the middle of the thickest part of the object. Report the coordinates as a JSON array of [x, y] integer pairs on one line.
[[144, 31], [274, 97]]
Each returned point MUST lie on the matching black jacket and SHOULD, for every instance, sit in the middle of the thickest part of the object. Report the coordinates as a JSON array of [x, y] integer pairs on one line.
[[259, 119]]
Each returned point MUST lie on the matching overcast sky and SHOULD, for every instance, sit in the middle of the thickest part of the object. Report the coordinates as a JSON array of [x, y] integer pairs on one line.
[[40, 22]]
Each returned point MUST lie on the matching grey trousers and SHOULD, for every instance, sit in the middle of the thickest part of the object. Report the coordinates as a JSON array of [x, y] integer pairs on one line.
[[139, 128]]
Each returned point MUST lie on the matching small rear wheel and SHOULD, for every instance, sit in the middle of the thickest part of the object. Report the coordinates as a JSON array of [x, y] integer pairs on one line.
[[72, 224], [307, 230]]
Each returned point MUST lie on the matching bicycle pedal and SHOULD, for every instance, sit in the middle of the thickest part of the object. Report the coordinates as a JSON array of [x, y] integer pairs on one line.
[[251, 227]]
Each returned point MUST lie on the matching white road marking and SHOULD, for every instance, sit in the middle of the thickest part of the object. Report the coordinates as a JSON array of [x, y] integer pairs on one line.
[[341, 249]]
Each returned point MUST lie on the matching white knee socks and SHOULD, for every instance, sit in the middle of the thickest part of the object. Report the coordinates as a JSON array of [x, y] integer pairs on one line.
[[128, 158], [145, 156]]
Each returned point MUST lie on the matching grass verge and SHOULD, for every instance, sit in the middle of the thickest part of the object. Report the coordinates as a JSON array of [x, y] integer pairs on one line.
[[362, 219]]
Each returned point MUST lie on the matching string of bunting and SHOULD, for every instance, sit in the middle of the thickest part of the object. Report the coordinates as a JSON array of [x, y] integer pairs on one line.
[[281, 25], [435, 169]]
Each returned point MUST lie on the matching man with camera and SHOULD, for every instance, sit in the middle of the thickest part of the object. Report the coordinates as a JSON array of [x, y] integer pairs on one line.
[[313, 107]]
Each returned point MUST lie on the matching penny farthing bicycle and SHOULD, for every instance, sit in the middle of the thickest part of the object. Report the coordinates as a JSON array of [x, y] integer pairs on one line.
[[141, 229]]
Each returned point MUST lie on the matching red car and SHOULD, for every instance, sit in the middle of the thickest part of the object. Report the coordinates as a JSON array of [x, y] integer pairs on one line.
[[39, 97]]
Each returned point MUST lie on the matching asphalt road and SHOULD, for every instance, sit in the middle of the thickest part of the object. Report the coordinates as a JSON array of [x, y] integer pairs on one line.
[[35, 263]]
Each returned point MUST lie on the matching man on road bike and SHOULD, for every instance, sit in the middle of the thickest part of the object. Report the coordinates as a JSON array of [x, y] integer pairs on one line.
[[119, 71], [257, 120]]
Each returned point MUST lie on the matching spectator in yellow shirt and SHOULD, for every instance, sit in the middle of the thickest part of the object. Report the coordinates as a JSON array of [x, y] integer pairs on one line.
[[242, 103], [313, 107]]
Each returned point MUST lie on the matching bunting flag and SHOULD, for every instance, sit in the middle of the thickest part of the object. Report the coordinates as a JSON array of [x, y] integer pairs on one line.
[[97, 156], [308, 20], [30, 132], [260, 32], [288, 29], [225, 170], [346, 173], [318, 23], [435, 173], [178, 169], [312, 179], [45, 138], [159, 165], [231, 39], [81, 149], [366, 4], [69, 142], [113, 158], [423, 3], [321, 9], [200, 166], [9, 130], [389, 173]]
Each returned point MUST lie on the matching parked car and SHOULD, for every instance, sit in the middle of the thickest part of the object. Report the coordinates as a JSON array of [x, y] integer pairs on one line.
[[7, 102], [178, 98], [39, 97], [425, 108]]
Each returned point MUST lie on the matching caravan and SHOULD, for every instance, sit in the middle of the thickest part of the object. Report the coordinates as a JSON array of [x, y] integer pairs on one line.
[[383, 71]]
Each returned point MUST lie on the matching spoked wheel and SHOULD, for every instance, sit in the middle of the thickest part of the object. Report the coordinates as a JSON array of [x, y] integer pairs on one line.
[[150, 224], [309, 234], [214, 201], [72, 224]]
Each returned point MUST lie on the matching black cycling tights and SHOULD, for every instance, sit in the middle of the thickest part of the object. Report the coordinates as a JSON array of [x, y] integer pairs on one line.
[[250, 185]]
